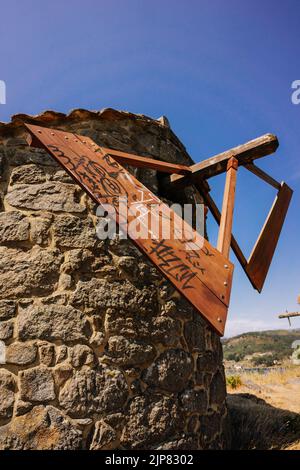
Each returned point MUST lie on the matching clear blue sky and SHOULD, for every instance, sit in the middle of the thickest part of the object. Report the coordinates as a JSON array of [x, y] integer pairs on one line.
[[221, 71]]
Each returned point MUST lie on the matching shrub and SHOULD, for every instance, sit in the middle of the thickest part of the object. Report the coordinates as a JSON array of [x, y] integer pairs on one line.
[[233, 357], [234, 381], [267, 361]]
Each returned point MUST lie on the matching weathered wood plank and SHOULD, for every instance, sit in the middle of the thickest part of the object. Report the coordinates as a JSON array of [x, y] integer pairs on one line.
[[263, 251], [146, 162], [289, 315], [220, 290], [246, 153], [224, 238], [196, 269]]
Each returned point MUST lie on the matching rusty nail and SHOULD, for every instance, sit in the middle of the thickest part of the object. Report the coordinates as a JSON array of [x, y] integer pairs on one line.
[[225, 283], [226, 266], [219, 320]]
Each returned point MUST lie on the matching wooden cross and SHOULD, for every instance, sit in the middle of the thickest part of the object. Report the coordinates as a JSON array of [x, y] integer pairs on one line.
[[200, 272]]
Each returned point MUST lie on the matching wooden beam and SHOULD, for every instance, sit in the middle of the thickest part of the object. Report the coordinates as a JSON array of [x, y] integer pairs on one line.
[[263, 175], [224, 238], [130, 158], [213, 166], [263, 251], [289, 315], [217, 216], [146, 162]]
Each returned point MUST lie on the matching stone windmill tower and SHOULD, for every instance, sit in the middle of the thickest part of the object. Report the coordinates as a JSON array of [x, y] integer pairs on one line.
[[98, 350]]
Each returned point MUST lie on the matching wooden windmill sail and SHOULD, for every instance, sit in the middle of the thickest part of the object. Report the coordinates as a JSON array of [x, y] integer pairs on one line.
[[199, 271]]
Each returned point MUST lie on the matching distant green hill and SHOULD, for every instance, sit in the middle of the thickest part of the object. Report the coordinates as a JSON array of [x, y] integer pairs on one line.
[[275, 342]]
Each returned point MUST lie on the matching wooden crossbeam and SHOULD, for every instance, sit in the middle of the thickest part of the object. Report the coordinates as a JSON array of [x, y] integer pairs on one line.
[[245, 154]]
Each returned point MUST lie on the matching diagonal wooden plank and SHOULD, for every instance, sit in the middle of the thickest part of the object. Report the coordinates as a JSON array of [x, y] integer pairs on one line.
[[146, 162], [263, 251], [220, 288], [216, 288], [196, 269], [263, 175]]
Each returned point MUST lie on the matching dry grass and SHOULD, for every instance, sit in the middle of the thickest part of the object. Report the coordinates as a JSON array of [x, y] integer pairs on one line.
[[274, 377], [295, 446], [265, 409]]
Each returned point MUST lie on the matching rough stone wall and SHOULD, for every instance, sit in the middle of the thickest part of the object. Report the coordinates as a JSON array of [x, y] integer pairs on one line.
[[98, 350]]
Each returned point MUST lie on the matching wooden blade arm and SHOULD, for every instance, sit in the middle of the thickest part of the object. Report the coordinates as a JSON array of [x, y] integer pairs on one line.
[[263, 251], [258, 264]]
